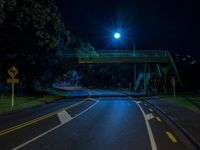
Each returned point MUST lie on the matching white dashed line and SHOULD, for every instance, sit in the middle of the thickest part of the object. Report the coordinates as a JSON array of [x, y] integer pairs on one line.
[[151, 109], [149, 116]]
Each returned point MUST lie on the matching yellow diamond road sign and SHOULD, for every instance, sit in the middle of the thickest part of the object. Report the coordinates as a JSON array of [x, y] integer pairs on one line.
[[13, 71]]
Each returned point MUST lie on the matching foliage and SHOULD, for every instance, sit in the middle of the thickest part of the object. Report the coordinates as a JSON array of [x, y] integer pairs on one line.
[[73, 77], [81, 48], [33, 37], [107, 76]]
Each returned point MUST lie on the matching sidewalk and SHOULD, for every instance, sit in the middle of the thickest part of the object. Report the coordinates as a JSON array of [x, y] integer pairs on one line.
[[187, 119]]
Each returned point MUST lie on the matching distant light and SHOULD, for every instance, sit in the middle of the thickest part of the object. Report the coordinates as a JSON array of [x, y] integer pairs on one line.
[[117, 35], [183, 59], [188, 56], [193, 62]]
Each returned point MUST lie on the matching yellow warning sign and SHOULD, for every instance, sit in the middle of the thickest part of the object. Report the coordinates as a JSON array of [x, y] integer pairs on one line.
[[13, 71]]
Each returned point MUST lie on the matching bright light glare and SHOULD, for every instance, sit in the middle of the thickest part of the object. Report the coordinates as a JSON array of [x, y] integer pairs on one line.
[[117, 35]]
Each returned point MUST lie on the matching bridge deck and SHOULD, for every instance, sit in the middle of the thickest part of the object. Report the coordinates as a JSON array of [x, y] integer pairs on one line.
[[94, 60], [122, 56], [119, 56]]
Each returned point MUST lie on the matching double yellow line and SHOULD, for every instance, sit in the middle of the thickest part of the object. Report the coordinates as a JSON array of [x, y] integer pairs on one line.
[[11, 129]]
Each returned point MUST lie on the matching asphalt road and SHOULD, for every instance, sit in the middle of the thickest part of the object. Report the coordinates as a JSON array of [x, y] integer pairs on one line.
[[115, 123]]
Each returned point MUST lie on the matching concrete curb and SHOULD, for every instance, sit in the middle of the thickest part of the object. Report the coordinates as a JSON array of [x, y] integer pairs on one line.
[[182, 129]]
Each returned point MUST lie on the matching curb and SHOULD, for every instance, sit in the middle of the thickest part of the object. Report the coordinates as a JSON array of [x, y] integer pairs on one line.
[[195, 143]]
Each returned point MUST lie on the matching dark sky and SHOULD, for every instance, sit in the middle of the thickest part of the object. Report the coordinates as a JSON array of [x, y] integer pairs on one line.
[[153, 24]]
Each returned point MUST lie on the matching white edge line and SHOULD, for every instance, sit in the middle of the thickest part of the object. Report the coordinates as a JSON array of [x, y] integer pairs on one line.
[[56, 127], [151, 137]]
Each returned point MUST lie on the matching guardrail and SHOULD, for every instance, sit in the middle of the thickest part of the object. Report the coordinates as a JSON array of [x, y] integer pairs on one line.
[[121, 53]]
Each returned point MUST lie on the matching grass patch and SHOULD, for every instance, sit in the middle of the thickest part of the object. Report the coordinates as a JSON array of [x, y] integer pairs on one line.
[[57, 92], [191, 101], [23, 102]]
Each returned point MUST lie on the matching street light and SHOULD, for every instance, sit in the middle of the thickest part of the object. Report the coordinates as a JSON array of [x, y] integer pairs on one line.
[[117, 35], [133, 43]]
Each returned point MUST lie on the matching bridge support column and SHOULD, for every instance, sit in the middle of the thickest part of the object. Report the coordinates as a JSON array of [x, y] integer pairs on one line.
[[134, 75], [145, 77]]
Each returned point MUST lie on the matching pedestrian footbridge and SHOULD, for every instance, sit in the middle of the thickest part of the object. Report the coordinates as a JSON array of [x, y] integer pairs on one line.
[[146, 57]]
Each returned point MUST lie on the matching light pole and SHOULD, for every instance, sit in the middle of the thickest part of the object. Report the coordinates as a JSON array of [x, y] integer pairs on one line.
[[117, 36], [134, 66], [133, 43]]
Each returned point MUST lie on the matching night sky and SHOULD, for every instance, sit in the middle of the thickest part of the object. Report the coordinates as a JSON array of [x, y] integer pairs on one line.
[[153, 24]]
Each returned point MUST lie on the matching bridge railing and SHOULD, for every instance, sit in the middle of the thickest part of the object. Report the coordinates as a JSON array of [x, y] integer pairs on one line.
[[121, 53]]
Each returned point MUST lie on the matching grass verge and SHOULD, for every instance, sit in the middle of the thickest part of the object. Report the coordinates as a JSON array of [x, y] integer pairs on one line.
[[24, 102], [191, 101]]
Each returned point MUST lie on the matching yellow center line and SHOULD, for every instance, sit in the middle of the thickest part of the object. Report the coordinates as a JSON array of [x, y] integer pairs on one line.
[[171, 137], [158, 119], [11, 129]]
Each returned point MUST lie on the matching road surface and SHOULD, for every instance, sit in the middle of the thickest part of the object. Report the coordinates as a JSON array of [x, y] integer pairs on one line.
[[100, 123]]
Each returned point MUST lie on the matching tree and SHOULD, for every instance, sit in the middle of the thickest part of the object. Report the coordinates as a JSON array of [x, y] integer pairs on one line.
[[32, 36], [73, 77]]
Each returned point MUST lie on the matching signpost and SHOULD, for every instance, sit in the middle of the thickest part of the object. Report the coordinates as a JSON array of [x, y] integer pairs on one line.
[[12, 73], [174, 86], [173, 83]]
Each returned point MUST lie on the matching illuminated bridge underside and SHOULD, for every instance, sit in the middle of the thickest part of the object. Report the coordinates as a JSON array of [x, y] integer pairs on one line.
[[120, 56], [124, 56], [123, 60]]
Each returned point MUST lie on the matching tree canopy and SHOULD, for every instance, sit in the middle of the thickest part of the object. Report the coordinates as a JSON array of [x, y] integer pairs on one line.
[[33, 37]]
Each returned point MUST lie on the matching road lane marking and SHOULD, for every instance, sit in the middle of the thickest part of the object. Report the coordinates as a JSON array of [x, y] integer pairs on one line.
[[145, 104], [138, 102], [37, 137], [56, 127], [30, 122], [149, 116], [151, 109], [158, 119], [150, 133], [171, 137], [64, 117]]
